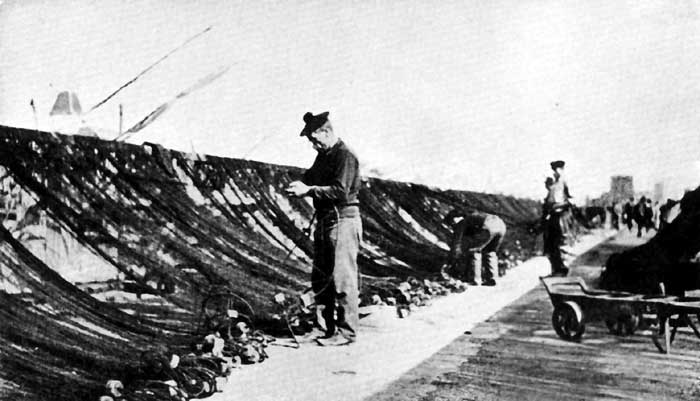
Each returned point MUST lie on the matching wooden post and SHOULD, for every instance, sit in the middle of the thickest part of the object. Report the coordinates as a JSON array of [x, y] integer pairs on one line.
[[121, 116], [36, 121]]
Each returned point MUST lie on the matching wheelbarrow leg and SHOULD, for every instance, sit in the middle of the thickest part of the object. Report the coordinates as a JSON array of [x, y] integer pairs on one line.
[[667, 335], [684, 319], [693, 326], [665, 329], [674, 329], [681, 321], [663, 317]]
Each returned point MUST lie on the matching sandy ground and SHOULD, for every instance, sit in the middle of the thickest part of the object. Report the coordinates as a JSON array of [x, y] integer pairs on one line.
[[387, 347]]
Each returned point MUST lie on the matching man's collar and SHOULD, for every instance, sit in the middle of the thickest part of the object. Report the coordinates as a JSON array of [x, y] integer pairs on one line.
[[333, 148]]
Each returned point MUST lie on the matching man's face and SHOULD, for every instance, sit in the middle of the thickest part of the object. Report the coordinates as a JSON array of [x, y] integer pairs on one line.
[[319, 139], [558, 172]]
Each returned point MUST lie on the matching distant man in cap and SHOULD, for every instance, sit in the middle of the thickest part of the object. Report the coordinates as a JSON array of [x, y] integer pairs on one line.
[[479, 235], [556, 207], [333, 182]]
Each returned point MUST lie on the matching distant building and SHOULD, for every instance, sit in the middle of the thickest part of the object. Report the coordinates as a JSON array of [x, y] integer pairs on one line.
[[66, 116], [658, 195], [66, 104], [621, 187]]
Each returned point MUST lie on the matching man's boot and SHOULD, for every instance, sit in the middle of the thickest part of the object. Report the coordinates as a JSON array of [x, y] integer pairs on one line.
[[474, 268], [490, 269]]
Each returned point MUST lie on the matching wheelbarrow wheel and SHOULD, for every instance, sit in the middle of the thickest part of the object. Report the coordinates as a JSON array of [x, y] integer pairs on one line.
[[624, 321], [567, 320]]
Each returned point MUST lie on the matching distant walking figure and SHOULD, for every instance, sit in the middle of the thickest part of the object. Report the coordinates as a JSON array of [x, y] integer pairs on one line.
[[616, 213], [628, 213], [478, 236], [643, 215]]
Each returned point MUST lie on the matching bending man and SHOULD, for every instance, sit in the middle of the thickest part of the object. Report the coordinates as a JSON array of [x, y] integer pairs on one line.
[[479, 235]]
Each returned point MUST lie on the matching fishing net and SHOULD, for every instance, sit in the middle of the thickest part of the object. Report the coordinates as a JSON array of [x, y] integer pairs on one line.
[[190, 223]]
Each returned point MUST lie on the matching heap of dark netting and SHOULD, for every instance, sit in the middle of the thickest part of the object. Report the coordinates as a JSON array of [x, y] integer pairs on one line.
[[59, 342], [200, 221], [666, 258]]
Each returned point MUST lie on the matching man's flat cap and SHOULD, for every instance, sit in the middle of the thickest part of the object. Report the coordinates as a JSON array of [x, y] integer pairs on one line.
[[557, 164], [313, 122]]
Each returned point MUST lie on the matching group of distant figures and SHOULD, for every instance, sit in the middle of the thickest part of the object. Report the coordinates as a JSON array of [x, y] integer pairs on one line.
[[644, 214]]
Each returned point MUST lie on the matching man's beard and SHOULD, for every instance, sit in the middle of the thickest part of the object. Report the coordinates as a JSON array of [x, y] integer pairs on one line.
[[318, 146]]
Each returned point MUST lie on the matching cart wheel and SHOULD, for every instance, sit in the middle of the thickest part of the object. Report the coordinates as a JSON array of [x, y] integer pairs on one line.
[[567, 320], [624, 322]]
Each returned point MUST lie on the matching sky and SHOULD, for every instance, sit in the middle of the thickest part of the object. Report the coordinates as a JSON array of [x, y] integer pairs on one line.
[[477, 95]]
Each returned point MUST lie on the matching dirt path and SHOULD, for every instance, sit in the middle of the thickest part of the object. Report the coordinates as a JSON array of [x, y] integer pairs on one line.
[[387, 348], [515, 355]]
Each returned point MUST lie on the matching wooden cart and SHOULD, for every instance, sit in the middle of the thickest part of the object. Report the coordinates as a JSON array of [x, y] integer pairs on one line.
[[575, 305]]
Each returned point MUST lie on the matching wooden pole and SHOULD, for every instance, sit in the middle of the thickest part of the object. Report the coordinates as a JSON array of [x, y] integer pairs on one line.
[[36, 121], [121, 118]]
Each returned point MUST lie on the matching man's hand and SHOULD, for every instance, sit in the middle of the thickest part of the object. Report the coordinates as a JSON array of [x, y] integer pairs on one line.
[[297, 188]]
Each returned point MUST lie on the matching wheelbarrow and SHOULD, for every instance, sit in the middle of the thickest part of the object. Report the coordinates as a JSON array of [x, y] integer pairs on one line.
[[575, 305]]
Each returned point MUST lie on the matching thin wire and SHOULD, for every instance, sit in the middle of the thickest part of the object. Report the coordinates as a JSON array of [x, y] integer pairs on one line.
[[150, 67], [307, 232]]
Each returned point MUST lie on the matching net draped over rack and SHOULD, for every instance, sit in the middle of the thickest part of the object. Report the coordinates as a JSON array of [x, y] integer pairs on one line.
[[200, 221]]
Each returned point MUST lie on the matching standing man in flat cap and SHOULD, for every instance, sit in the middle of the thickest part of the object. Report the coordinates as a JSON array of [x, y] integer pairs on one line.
[[556, 208], [333, 182]]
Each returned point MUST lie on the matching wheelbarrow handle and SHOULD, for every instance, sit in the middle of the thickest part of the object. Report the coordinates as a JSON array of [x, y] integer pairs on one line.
[[551, 282]]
